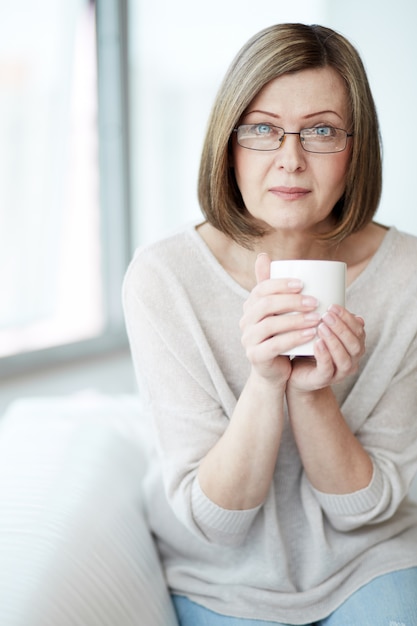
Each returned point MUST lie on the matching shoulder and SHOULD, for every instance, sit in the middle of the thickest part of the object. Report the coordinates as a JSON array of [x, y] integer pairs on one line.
[[401, 254], [171, 273], [391, 279], [164, 250], [404, 241], [153, 284], [162, 260], [389, 270]]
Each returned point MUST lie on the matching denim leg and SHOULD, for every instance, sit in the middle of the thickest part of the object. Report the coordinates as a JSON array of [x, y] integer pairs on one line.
[[389, 600], [191, 614]]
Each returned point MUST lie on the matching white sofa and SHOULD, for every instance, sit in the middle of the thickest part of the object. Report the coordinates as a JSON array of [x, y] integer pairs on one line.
[[75, 549]]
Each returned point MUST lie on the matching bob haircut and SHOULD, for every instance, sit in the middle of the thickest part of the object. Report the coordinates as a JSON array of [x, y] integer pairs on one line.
[[275, 51]]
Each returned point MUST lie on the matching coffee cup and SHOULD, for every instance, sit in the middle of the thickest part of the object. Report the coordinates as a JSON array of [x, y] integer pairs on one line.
[[325, 280]]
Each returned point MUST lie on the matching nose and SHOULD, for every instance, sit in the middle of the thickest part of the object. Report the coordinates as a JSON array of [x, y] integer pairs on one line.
[[290, 156]]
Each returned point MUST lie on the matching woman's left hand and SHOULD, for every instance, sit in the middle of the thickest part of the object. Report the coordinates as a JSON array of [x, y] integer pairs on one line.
[[337, 350]]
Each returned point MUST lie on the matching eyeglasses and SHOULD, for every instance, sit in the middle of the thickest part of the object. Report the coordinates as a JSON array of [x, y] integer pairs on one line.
[[321, 139]]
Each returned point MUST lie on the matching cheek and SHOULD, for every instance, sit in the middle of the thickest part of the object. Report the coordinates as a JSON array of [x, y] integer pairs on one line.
[[248, 170], [345, 160], [338, 172]]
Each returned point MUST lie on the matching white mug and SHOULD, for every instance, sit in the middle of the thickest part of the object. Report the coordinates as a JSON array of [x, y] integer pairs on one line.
[[325, 280]]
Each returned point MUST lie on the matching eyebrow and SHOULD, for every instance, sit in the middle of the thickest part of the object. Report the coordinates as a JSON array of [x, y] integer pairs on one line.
[[315, 114]]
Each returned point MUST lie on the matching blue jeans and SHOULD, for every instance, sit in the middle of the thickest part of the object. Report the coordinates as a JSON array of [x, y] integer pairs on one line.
[[389, 600]]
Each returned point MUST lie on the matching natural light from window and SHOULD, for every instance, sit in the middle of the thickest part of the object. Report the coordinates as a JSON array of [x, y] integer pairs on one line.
[[49, 182]]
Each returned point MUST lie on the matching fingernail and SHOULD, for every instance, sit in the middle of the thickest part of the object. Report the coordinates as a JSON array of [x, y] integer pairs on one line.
[[294, 283], [321, 345], [335, 308], [309, 301], [312, 317], [325, 330], [308, 332], [329, 319]]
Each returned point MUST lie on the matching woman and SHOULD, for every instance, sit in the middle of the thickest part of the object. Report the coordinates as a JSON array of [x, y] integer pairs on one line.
[[280, 490]]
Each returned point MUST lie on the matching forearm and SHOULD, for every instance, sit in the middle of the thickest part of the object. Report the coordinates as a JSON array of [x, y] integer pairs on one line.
[[333, 458], [237, 472]]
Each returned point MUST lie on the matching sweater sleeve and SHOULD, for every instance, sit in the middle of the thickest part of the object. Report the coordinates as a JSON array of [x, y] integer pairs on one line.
[[183, 388], [389, 434], [380, 404]]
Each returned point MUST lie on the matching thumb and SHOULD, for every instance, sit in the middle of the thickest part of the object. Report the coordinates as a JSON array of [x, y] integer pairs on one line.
[[262, 267]]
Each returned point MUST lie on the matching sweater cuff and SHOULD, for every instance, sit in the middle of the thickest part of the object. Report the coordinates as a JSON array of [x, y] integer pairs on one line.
[[222, 526], [355, 503]]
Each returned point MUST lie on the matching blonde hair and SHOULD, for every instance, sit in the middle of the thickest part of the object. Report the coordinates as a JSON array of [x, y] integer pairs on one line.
[[273, 52]]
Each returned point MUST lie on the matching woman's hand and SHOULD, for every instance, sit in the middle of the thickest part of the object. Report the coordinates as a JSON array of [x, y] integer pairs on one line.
[[333, 458], [338, 350], [266, 331]]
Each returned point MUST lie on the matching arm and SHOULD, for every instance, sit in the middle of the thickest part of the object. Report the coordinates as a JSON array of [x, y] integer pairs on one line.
[[237, 472], [389, 435], [196, 420], [361, 459], [333, 458], [217, 456], [359, 474]]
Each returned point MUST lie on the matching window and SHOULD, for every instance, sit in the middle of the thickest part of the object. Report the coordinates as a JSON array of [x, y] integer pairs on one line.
[[63, 180]]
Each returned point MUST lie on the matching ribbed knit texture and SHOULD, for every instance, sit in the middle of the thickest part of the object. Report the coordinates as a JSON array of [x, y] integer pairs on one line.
[[302, 553]]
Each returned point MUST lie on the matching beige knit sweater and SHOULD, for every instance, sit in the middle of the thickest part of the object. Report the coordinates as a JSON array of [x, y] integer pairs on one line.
[[301, 553]]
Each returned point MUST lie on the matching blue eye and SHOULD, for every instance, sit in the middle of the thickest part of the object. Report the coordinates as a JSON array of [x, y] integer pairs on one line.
[[324, 131], [263, 129]]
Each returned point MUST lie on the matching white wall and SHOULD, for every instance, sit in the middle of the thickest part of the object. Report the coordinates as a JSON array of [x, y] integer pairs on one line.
[[180, 53], [384, 33]]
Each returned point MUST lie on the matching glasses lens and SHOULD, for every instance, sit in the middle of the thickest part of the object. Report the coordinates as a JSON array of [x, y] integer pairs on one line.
[[323, 139], [260, 136]]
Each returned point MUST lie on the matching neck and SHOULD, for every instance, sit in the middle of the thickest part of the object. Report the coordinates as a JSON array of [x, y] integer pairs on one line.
[[239, 262], [290, 245], [356, 250]]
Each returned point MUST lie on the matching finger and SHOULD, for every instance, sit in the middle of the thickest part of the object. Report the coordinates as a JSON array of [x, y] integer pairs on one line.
[[270, 347], [344, 344], [344, 318], [355, 322], [276, 305], [333, 328], [262, 267], [324, 361], [291, 326]]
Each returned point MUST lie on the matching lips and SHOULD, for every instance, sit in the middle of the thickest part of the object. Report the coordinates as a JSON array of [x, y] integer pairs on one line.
[[290, 193]]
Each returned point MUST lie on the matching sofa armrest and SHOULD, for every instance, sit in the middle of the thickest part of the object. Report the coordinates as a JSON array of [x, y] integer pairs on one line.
[[75, 548]]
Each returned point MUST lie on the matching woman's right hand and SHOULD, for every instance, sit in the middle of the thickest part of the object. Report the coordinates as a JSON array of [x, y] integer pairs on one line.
[[266, 331]]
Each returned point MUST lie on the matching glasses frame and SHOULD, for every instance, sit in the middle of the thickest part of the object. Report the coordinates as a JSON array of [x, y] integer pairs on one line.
[[235, 130]]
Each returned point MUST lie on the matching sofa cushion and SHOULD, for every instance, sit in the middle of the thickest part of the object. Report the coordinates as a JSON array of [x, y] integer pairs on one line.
[[75, 548]]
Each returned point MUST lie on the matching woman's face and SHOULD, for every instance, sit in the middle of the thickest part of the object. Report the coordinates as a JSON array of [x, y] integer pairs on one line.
[[289, 188]]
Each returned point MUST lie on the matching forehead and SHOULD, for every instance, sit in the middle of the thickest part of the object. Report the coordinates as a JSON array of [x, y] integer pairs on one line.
[[303, 93]]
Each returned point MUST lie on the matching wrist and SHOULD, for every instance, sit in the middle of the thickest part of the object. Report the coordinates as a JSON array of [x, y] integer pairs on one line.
[[267, 385], [307, 396]]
